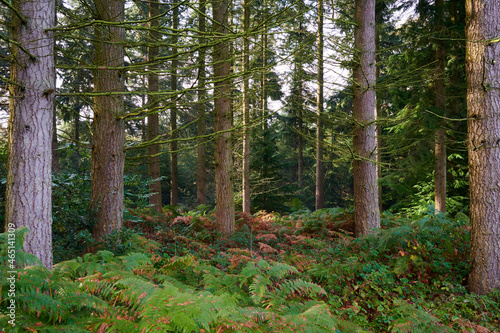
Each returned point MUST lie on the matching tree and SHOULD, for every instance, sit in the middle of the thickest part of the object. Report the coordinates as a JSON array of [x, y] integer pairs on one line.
[[224, 210], [366, 209], [246, 108], [174, 168], [153, 119], [440, 100], [108, 156], [201, 183], [483, 100], [320, 195], [31, 107]]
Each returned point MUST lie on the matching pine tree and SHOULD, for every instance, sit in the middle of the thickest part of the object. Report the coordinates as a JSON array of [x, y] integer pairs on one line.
[[31, 108], [483, 100], [108, 155]]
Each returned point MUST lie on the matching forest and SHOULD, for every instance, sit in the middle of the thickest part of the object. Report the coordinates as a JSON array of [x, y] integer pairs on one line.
[[249, 166]]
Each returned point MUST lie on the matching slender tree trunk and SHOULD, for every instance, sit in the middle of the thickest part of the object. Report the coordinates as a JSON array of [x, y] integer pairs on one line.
[[55, 155], [201, 191], [108, 156], [440, 136], [366, 209], [153, 121], [378, 23], [222, 107], [301, 101], [320, 195], [174, 171], [246, 108], [29, 161], [483, 103], [263, 79], [77, 136]]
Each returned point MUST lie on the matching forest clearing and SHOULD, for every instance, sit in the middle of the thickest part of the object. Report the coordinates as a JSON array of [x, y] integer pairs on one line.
[[249, 166]]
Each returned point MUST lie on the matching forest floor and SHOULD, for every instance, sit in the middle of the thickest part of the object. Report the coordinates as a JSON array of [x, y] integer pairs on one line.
[[303, 272]]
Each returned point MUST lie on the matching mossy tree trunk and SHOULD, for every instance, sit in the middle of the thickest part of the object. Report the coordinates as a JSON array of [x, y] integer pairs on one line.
[[154, 171], [30, 128], [108, 156], [222, 107], [483, 105]]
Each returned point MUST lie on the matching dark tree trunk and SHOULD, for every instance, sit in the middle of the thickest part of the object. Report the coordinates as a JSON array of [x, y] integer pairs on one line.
[[222, 108], [246, 109], [201, 190], [153, 121], [55, 155], [174, 171], [29, 161], [366, 208], [108, 156], [320, 195], [440, 136], [483, 105]]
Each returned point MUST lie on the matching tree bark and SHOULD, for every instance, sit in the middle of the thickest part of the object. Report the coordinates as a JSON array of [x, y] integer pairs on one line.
[[483, 103], [440, 101], [55, 156], [366, 208], [29, 161], [154, 171], [108, 156], [222, 107], [174, 170], [320, 195], [201, 184], [246, 108]]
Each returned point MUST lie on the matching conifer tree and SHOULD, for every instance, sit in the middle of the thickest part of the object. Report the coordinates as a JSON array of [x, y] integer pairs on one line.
[[108, 155], [366, 208], [31, 108], [153, 120], [223, 115], [483, 101]]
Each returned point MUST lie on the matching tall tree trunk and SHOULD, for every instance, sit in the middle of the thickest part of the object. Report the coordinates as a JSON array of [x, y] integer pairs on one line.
[[77, 136], [153, 122], [483, 103], [300, 74], [201, 191], [55, 155], [320, 195], [108, 156], [222, 107], [440, 135], [174, 171], [246, 108], [366, 209], [263, 79], [29, 161], [378, 24]]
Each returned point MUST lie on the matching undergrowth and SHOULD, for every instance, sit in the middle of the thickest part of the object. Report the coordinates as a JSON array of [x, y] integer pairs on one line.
[[303, 272]]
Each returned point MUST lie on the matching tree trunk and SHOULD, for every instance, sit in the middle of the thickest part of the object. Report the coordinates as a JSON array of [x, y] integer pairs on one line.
[[483, 103], [55, 156], [366, 209], [153, 122], [440, 136], [263, 79], [201, 184], [320, 195], [246, 109], [174, 171], [378, 23], [29, 161], [108, 156], [222, 108]]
